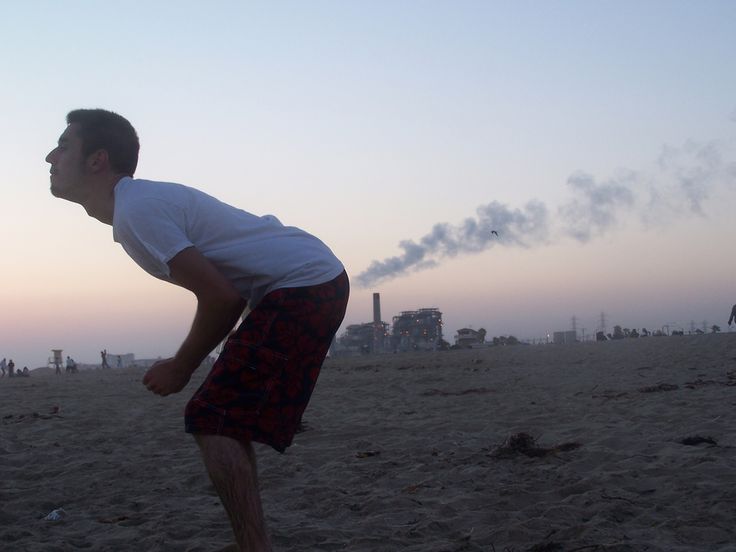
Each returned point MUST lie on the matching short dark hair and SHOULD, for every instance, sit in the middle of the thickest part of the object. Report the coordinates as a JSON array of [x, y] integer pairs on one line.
[[102, 129]]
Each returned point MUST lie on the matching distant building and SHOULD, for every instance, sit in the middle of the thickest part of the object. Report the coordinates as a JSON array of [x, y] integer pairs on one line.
[[361, 338], [568, 336], [411, 330], [120, 361], [370, 337], [415, 330], [468, 338]]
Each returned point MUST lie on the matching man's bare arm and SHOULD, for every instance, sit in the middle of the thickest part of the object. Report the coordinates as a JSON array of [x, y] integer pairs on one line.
[[219, 305]]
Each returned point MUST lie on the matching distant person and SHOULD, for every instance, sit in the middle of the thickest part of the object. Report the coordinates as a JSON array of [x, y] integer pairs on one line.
[[732, 318], [26, 373], [3, 366], [120, 361], [71, 366], [103, 354], [294, 286], [11, 368]]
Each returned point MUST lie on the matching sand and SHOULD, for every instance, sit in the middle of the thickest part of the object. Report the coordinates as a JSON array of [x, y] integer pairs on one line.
[[400, 452]]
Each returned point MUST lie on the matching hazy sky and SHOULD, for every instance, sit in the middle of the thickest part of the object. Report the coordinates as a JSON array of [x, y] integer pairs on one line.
[[597, 138]]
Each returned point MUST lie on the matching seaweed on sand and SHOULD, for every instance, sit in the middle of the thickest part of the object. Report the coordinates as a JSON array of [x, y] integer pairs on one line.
[[523, 443], [698, 440]]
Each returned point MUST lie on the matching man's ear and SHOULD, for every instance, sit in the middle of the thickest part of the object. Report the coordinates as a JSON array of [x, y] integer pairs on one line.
[[98, 161]]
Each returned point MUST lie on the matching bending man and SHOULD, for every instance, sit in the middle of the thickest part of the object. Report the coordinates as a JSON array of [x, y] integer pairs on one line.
[[295, 288]]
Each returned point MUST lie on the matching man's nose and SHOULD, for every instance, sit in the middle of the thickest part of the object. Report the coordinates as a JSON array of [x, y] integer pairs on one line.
[[49, 157]]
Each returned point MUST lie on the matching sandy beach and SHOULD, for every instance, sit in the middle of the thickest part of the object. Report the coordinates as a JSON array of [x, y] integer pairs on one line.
[[400, 452]]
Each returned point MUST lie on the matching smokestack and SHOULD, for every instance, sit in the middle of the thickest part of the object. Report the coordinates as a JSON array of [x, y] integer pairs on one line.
[[378, 329]]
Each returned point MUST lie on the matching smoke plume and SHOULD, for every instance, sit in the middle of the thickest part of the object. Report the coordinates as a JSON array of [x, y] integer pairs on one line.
[[684, 179], [521, 228], [594, 208]]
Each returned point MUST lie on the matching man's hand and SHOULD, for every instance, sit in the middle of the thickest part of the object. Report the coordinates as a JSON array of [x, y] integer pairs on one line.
[[166, 377]]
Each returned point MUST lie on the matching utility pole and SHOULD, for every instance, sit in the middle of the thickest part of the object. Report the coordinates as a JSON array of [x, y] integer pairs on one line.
[[603, 322]]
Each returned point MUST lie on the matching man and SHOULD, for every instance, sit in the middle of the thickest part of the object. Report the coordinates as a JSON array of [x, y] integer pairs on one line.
[[732, 318], [295, 288]]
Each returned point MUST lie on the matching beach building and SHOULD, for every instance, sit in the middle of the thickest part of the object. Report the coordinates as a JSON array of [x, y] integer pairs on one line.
[[469, 338], [56, 360]]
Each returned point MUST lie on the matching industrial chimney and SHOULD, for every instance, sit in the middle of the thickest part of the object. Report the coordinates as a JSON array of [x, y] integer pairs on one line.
[[376, 308], [378, 330]]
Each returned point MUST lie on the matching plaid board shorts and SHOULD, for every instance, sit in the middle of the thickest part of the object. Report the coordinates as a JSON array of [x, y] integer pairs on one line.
[[261, 383]]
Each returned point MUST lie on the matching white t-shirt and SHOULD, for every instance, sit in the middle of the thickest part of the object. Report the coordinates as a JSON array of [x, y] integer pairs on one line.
[[154, 221]]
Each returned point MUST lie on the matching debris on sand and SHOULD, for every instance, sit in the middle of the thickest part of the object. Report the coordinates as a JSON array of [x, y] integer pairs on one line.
[[523, 443], [659, 388], [367, 453], [698, 440], [473, 391]]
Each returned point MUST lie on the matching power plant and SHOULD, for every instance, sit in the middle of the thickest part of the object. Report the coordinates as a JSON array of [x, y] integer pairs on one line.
[[415, 330], [370, 337], [410, 331]]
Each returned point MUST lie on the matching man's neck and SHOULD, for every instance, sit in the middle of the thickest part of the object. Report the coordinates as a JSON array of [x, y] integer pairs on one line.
[[101, 205]]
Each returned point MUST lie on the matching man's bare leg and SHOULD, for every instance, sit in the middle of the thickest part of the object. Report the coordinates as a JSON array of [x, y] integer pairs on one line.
[[231, 465]]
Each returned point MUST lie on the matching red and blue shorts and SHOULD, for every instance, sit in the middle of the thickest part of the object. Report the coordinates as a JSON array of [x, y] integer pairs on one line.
[[261, 383]]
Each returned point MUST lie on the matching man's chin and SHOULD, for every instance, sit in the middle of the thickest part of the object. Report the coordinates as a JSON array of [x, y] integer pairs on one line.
[[56, 192]]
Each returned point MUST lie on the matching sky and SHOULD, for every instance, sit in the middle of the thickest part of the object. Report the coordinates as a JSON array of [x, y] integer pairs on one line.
[[598, 139]]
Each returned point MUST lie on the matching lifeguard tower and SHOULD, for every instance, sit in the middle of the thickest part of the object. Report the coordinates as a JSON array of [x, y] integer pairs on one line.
[[56, 360]]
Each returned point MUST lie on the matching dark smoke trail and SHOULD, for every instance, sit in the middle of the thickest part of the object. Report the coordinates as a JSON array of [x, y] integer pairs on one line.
[[519, 228]]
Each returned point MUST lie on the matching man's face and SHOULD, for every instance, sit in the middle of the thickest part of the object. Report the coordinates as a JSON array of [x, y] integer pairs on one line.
[[67, 165]]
